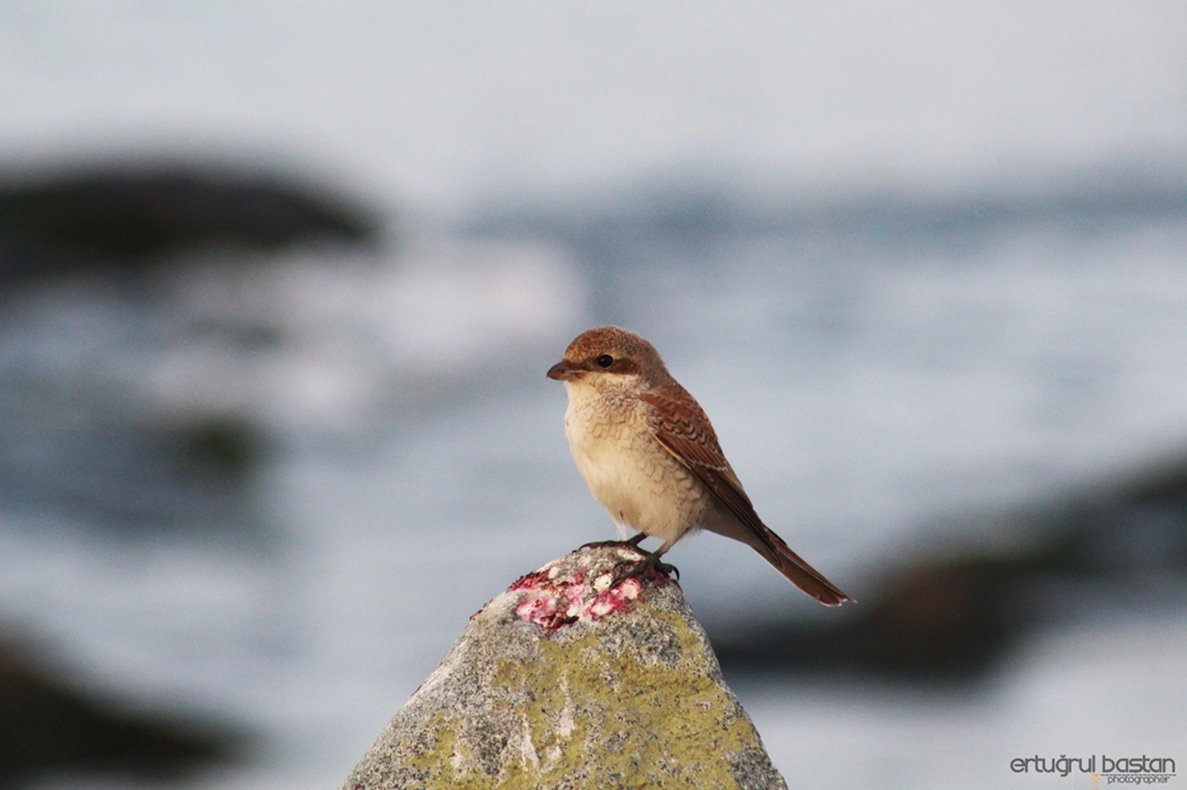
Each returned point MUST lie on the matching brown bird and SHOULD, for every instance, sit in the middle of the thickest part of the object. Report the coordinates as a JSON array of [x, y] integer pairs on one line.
[[650, 456]]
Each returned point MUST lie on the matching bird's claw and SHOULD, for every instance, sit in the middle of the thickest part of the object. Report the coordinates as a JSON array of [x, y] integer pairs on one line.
[[602, 544], [633, 570]]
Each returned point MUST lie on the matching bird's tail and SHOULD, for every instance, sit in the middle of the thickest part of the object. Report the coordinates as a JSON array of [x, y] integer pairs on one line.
[[798, 572]]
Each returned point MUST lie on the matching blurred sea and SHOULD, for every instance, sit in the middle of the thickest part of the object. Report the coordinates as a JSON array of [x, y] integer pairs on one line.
[[887, 376]]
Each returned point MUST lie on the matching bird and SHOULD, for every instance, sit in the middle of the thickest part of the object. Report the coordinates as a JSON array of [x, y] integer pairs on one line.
[[649, 454]]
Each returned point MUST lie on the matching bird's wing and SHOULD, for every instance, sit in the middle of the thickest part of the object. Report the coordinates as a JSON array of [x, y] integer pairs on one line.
[[683, 429]]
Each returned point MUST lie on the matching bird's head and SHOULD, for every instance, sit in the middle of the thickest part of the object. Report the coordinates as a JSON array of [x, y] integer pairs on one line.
[[610, 358]]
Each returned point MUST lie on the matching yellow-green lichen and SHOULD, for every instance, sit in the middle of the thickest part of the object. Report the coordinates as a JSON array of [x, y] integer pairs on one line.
[[596, 718]]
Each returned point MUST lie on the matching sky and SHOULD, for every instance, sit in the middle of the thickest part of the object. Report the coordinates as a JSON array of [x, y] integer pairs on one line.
[[437, 105]]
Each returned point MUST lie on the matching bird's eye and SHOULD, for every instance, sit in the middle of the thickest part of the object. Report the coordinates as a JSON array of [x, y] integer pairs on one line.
[[604, 361]]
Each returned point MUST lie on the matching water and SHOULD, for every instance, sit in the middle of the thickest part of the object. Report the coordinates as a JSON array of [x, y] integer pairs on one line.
[[871, 393]]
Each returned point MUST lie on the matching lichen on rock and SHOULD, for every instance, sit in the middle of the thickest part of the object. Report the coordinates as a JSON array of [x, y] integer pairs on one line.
[[564, 680]]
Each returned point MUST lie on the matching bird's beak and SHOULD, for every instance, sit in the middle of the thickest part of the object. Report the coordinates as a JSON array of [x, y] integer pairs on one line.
[[563, 371]]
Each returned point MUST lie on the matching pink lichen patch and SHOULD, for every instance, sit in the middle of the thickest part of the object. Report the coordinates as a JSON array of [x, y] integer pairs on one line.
[[575, 595], [543, 610], [616, 599], [530, 581], [548, 610], [553, 602]]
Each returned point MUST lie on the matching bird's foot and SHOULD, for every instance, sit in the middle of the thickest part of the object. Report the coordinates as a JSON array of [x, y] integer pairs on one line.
[[639, 568], [633, 569], [602, 544], [606, 544]]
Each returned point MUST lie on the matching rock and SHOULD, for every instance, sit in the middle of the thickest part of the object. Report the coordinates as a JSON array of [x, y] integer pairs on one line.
[[561, 681], [956, 615], [124, 215], [935, 621]]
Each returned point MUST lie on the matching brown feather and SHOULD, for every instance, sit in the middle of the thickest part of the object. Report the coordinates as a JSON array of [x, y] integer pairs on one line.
[[681, 426]]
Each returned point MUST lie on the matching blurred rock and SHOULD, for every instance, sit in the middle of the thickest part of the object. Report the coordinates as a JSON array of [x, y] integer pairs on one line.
[[112, 468], [228, 447], [53, 727], [124, 216], [948, 620], [91, 330], [561, 681], [956, 617]]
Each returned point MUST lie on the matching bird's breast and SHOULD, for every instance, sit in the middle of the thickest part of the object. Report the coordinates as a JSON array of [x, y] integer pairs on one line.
[[628, 471]]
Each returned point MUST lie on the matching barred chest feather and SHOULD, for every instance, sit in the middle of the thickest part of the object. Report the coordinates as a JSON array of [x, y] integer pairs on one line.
[[627, 470]]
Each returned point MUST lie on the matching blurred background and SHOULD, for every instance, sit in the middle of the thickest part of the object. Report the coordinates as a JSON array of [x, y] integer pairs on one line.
[[279, 283]]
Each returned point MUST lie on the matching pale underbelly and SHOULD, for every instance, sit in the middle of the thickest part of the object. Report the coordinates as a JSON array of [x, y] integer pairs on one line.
[[644, 489]]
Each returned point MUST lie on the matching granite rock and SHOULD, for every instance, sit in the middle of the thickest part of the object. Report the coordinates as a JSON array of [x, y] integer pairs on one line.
[[564, 681]]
